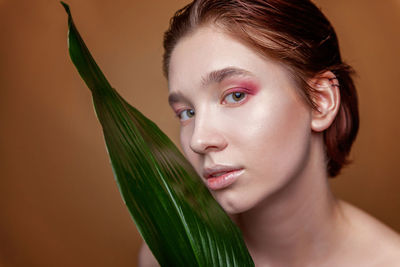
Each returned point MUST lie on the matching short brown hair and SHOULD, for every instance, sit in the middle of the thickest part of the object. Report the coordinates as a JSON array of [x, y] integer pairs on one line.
[[293, 32]]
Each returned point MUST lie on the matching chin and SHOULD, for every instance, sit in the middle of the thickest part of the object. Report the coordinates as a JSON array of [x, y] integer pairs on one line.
[[244, 197], [232, 202]]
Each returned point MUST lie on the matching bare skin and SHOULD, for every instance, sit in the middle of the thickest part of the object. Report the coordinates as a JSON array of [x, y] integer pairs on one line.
[[369, 244], [282, 203]]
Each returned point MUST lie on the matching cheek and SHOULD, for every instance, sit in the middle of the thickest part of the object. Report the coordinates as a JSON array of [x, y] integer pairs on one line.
[[185, 138], [273, 132], [284, 143]]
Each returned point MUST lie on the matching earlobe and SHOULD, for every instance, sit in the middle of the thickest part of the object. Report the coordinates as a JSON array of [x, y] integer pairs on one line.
[[326, 96]]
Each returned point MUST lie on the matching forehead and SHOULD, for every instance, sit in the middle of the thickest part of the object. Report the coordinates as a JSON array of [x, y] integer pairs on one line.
[[209, 49]]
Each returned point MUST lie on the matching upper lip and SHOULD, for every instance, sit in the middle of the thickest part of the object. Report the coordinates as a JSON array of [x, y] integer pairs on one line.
[[217, 170]]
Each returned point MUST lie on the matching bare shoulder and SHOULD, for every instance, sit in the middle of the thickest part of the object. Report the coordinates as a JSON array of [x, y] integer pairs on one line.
[[372, 237], [146, 258]]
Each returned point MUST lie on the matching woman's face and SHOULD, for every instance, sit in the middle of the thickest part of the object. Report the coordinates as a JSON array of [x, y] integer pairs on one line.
[[244, 127]]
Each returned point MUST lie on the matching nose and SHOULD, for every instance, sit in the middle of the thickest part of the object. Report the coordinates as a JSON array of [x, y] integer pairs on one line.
[[207, 134]]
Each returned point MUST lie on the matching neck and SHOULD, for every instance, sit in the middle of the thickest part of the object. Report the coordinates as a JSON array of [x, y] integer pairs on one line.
[[296, 225]]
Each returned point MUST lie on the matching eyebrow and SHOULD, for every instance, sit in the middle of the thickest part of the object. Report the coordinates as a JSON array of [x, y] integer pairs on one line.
[[175, 97], [215, 76], [218, 76]]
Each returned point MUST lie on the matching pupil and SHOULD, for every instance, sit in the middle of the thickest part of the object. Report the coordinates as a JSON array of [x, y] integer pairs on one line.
[[191, 113], [238, 95]]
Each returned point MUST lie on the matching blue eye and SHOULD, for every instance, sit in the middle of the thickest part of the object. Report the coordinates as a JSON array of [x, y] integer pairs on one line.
[[235, 97], [186, 114]]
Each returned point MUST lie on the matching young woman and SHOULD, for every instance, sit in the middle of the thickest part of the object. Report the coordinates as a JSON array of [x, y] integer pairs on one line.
[[268, 113]]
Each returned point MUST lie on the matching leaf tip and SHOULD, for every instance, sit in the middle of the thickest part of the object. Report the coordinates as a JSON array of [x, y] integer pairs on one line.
[[66, 7]]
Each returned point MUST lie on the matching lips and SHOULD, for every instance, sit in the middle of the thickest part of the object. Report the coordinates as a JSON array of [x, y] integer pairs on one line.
[[220, 177]]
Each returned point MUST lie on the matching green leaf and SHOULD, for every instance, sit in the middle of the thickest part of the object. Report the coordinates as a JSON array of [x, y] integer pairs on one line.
[[173, 210]]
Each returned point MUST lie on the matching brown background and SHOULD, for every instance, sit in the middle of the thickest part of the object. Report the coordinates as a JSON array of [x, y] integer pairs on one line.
[[59, 203]]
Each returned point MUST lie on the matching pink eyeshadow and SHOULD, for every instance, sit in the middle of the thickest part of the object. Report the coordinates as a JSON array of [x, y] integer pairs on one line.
[[251, 87]]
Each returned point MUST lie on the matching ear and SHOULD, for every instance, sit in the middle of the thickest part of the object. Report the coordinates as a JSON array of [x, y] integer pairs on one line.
[[326, 96]]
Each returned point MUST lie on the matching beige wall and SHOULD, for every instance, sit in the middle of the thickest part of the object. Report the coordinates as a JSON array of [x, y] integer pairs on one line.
[[58, 200]]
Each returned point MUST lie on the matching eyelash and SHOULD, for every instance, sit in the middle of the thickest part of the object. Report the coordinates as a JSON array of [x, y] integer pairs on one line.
[[231, 92]]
